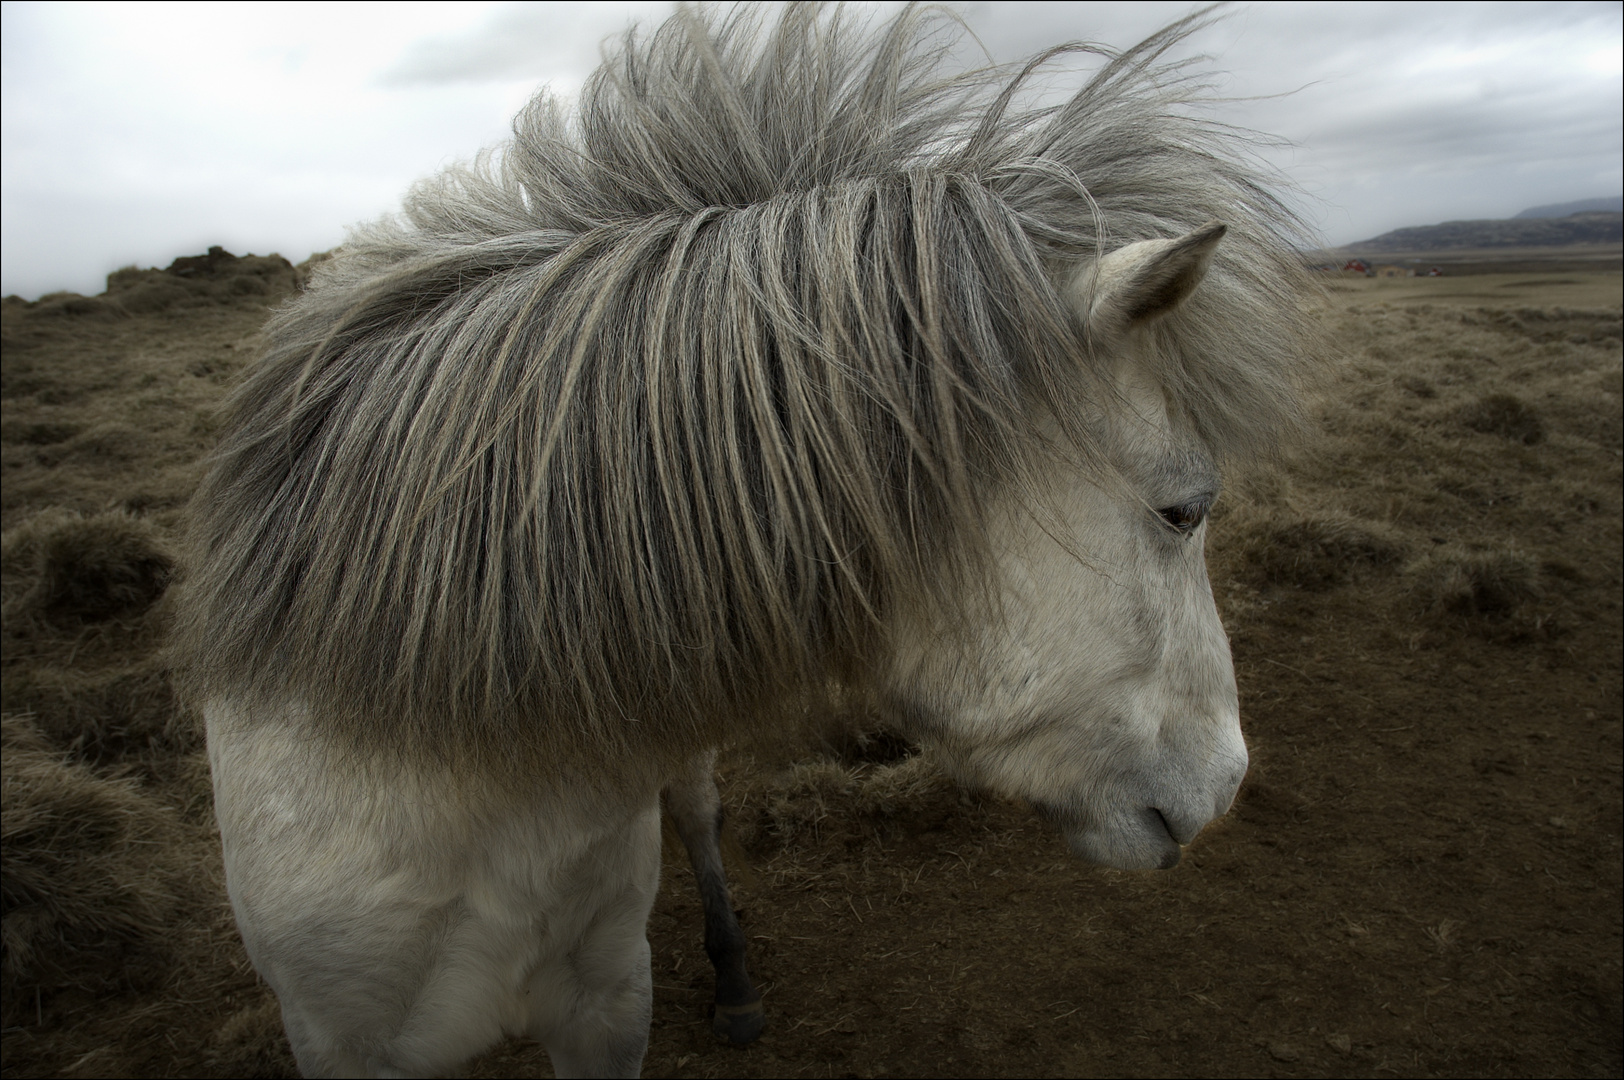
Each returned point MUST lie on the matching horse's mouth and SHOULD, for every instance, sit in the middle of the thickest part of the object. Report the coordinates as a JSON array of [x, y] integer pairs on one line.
[[1175, 850], [1137, 840]]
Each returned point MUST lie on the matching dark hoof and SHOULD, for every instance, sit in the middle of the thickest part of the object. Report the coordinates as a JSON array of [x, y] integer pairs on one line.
[[739, 1024]]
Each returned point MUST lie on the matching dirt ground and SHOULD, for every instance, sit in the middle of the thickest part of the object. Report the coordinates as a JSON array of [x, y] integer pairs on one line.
[[1421, 875]]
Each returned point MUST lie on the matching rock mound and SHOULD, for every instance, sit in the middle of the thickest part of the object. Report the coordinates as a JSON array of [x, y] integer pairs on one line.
[[216, 277]]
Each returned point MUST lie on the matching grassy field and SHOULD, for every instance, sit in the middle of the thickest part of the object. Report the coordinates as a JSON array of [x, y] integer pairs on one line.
[[1420, 877], [1583, 260], [1597, 289]]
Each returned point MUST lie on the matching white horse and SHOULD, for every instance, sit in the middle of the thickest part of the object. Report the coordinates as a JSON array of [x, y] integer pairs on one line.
[[488, 560]]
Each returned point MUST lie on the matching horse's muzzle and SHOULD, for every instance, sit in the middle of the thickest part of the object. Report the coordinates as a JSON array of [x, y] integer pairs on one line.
[[1138, 840]]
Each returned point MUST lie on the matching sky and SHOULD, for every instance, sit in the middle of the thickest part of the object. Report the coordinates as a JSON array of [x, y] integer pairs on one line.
[[135, 133]]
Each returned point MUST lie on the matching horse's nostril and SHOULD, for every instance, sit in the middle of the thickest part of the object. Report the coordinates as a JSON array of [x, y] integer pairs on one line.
[[1180, 836], [1170, 857]]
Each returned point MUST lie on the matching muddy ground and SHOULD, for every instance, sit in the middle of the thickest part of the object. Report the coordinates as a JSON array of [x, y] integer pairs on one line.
[[1421, 875]]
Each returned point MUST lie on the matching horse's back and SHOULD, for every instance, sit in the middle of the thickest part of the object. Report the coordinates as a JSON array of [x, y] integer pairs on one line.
[[406, 925]]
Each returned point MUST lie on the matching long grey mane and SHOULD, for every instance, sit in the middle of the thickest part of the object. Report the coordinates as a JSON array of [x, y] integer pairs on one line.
[[650, 418]]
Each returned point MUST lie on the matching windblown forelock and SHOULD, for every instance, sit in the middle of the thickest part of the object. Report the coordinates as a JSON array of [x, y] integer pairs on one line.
[[651, 420]]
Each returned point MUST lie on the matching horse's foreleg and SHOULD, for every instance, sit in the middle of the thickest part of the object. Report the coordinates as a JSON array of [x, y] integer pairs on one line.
[[696, 810], [607, 1030], [354, 902], [591, 1002]]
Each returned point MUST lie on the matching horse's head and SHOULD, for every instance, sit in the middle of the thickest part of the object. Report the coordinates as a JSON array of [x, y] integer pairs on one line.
[[1099, 685]]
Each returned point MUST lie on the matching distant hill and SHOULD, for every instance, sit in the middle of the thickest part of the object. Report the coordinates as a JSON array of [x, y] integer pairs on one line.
[[1612, 204], [1591, 227]]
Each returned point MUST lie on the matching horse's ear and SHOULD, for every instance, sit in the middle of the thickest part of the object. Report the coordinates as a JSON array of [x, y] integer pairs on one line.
[[1135, 284]]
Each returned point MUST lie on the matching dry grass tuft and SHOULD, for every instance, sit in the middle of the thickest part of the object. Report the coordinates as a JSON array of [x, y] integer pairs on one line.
[[1308, 552], [106, 714], [102, 444], [250, 1043], [47, 434], [1505, 415], [72, 304], [827, 802], [94, 867], [86, 569], [1478, 583], [1416, 387]]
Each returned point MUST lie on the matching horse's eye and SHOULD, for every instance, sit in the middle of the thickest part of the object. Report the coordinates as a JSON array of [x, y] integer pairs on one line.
[[1186, 517]]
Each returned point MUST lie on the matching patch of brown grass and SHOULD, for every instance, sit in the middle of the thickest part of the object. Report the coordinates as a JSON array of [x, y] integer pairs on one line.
[[1478, 583], [86, 569], [250, 1043], [1312, 552], [824, 802], [1505, 415], [95, 870]]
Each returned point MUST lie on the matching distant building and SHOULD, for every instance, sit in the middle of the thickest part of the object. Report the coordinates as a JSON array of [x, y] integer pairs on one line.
[[1394, 271], [1358, 266]]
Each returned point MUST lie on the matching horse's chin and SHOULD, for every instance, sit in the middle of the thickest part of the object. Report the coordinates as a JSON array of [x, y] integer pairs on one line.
[[1140, 841]]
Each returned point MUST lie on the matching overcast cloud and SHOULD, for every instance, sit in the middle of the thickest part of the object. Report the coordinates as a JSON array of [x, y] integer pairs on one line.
[[135, 133]]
